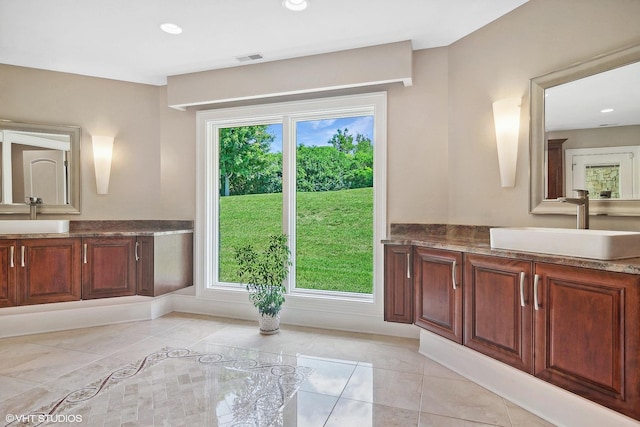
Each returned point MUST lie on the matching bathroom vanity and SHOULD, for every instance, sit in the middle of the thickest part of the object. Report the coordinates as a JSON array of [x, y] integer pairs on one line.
[[96, 259], [572, 322]]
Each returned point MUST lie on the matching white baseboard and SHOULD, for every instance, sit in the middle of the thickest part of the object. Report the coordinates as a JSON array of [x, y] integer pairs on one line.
[[549, 402], [41, 318], [295, 312]]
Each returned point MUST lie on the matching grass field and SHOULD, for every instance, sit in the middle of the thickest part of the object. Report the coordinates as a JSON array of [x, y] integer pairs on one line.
[[334, 243]]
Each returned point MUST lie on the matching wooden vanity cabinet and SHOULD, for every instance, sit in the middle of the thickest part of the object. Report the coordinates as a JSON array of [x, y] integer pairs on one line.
[[438, 291], [165, 263], [143, 265], [48, 270], [8, 270], [574, 327], [587, 334], [497, 309], [398, 284], [58, 269], [108, 267]]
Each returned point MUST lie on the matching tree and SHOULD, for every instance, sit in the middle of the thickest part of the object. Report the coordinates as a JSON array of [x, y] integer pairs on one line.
[[243, 154], [361, 172], [321, 169], [342, 141], [358, 172]]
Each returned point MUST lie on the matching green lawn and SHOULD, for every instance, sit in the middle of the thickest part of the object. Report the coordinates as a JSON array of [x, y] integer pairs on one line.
[[335, 236]]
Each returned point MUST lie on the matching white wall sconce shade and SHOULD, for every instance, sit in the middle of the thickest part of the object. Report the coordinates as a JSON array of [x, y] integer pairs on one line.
[[506, 117], [102, 152]]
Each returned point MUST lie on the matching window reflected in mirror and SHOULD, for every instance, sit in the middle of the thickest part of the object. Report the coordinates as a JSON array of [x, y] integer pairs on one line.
[[594, 104], [597, 118]]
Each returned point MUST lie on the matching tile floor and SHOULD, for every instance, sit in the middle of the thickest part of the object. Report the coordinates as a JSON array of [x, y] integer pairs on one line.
[[356, 380]]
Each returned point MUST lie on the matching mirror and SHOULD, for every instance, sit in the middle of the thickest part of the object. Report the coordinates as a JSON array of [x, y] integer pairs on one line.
[[585, 134], [43, 161]]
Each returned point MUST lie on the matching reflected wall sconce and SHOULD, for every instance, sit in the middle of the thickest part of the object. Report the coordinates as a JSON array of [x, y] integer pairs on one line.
[[102, 152], [506, 117]]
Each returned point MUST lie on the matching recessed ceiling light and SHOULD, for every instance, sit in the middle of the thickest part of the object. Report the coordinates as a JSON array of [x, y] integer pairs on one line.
[[170, 28], [607, 110], [295, 5]]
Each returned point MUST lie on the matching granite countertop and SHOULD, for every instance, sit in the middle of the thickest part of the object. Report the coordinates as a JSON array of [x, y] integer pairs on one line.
[[114, 228], [475, 239]]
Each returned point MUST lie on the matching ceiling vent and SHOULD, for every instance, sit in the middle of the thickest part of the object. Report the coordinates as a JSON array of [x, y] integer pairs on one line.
[[253, 57]]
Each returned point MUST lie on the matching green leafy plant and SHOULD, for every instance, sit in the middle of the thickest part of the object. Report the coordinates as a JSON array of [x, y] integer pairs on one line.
[[264, 273]]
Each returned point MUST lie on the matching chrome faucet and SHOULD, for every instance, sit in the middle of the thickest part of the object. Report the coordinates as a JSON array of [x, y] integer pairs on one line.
[[582, 202], [33, 203]]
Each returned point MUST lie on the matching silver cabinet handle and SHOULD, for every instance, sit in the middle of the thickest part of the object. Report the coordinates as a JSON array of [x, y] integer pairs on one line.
[[136, 251], [408, 264], [453, 275], [536, 304], [84, 256], [12, 255], [522, 276], [22, 256]]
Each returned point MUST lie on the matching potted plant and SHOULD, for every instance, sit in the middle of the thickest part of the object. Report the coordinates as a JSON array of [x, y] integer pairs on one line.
[[264, 273]]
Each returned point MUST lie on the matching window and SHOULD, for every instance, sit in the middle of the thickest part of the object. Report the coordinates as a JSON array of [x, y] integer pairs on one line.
[[249, 190], [334, 205], [314, 170], [607, 173]]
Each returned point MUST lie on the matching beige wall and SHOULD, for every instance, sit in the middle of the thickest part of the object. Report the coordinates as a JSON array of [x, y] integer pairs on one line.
[[616, 136], [417, 141], [496, 62], [442, 162], [152, 173], [348, 68]]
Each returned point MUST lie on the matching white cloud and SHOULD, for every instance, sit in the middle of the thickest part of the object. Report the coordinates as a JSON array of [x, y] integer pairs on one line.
[[321, 124]]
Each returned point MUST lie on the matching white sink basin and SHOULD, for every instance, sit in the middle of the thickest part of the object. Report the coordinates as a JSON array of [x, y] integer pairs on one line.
[[596, 244], [37, 226]]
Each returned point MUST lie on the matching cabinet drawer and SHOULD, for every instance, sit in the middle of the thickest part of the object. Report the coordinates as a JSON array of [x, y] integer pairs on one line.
[[108, 267], [497, 309], [48, 270], [438, 291], [587, 334]]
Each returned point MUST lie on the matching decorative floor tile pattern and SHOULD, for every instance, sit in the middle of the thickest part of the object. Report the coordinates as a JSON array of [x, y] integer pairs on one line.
[[180, 387], [358, 379]]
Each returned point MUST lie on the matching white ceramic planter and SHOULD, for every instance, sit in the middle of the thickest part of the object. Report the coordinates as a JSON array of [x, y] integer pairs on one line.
[[269, 325]]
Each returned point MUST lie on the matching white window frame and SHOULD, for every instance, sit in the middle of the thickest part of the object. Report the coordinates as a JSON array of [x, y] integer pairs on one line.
[[300, 305], [626, 157]]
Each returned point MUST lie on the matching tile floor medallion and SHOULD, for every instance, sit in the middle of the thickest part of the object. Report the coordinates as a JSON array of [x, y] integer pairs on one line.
[[176, 386]]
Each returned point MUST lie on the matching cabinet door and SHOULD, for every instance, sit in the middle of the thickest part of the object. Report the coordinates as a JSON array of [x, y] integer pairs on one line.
[[587, 334], [497, 309], [398, 286], [438, 292], [144, 260], [108, 267], [48, 270], [8, 273]]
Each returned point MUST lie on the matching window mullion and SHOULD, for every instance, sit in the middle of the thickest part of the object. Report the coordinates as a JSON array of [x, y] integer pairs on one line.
[[289, 192]]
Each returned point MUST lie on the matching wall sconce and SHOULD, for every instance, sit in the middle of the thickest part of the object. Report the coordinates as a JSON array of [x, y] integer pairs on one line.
[[102, 151], [506, 116]]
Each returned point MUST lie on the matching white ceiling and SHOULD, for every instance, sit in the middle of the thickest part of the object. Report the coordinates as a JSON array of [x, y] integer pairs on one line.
[[579, 104], [121, 39]]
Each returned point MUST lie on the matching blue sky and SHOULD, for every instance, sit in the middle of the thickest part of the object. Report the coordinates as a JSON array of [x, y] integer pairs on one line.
[[319, 132]]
